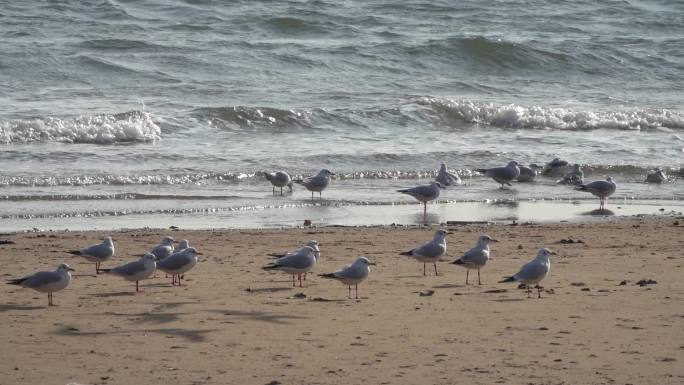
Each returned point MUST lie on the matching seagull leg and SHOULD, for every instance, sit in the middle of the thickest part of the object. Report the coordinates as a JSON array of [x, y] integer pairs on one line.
[[424, 272], [529, 290], [179, 280], [467, 272], [305, 276], [349, 296], [312, 195], [300, 280], [273, 190], [435, 265], [320, 195], [97, 268], [539, 288], [293, 281], [50, 298], [281, 191], [357, 291], [478, 277]]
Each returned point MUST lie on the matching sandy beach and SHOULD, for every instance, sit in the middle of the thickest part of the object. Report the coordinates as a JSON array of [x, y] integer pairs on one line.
[[235, 323]]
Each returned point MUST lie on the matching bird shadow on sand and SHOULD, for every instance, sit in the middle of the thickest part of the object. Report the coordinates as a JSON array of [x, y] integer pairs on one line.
[[115, 294], [10, 307], [598, 212], [268, 289], [259, 316], [188, 334], [509, 299], [448, 286], [149, 317]]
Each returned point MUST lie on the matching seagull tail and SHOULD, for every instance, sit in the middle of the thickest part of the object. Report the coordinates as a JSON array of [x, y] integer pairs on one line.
[[407, 253], [581, 188], [508, 279], [74, 252], [270, 267], [298, 181], [458, 262], [403, 191], [276, 255], [106, 270], [328, 275], [17, 281], [481, 170]]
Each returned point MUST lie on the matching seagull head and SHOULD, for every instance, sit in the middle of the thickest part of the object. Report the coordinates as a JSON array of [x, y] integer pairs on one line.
[[513, 164], [313, 244], [545, 253], [441, 233], [64, 267], [326, 172], [148, 257], [167, 241], [609, 179], [485, 240], [191, 251], [184, 244], [363, 261], [435, 183]]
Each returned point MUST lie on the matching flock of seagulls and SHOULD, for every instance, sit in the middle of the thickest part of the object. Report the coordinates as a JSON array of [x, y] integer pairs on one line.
[[512, 172], [297, 263]]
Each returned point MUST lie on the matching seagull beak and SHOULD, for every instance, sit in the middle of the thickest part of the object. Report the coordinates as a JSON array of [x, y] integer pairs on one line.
[[450, 232], [70, 269], [372, 263], [554, 253], [198, 253], [493, 240]]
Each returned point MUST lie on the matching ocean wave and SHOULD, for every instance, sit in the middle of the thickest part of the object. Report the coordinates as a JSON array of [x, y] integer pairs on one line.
[[120, 180], [456, 112], [133, 126]]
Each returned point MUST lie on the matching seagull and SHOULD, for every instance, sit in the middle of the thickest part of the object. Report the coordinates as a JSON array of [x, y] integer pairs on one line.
[[574, 177], [296, 264], [316, 183], [533, 271], [46, 281], [352, 274], [163, 249], [136, 271], [178, 263], [431, 251], [503, 175], [98, 253], [445, 178], [182, 245], [476, 257], [527, 174], [279, 179], [600, 188], [424, 193], [312, 244], [657, 176], [555, 168]]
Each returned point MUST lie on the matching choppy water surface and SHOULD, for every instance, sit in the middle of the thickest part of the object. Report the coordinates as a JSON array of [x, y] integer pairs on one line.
[[151, 108]]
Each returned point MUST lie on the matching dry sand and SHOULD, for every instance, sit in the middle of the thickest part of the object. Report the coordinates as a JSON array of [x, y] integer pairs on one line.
[[235, 323]]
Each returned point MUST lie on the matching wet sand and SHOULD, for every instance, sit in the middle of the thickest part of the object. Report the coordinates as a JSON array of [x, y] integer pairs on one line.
[[235, 323]]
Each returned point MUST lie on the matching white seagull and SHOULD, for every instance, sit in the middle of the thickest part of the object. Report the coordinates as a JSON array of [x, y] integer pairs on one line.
[[98, 253], [178, 263], [297, 264], [316, 183], [445, 178], [352, 274], [600, 188], [312, 244], [533, 271], [424, 193], [136, 271], [46, 281], [657, 176], [279, 179], [163, 249], [503, 175], [431, 251], [574, 177], [476, 257]]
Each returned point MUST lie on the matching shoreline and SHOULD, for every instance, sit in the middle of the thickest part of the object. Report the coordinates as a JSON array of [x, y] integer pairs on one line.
[[235, 323], [538, 211]]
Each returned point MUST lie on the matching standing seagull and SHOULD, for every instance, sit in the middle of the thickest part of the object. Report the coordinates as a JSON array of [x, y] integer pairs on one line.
[[46, 281], [476, 257], [178, 263], [533, 271], [316, 183], [136, 271], [352, 274], [503, 175], [424, 193], [312, 244], [163, 249], [600, 188], [445, 178], [297, 264], [574, 177], [279, 179], [97, 253], [431, 251]]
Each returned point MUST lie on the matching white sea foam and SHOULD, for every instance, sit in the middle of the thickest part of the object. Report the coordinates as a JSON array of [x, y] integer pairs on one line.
[[536, 117], [134, 126]]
